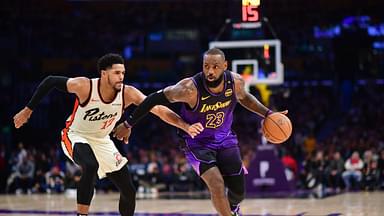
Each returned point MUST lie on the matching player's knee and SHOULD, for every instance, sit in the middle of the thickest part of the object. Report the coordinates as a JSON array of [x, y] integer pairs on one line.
[[90, 166], [123, 181], [217, 186], [83, 155], [128, 192], [236, 197], [236, 188]]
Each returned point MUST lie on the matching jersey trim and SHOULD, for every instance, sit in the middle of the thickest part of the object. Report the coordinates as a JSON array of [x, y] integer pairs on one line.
[[67, 142], [101, 98], [123, 100], [89, 95]]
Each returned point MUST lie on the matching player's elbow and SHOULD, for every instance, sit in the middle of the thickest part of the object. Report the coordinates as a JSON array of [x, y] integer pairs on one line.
[[168, 94]]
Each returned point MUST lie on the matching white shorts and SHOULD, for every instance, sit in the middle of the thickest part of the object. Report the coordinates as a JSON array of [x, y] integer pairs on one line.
[[106, 153]]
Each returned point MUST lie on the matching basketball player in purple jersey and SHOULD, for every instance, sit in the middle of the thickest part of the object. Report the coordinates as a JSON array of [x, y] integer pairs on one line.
[[210, 97]]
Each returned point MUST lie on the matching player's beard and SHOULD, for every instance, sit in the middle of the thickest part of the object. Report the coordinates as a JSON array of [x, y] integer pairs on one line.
[[114, 86], [215, 83]]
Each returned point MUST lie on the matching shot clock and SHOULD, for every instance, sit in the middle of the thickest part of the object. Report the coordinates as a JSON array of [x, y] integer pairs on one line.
[[250, 11], [246, 14]]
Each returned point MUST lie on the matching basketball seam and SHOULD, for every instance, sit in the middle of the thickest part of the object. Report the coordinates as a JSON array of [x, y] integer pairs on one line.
[[279, 127], [265, 128]]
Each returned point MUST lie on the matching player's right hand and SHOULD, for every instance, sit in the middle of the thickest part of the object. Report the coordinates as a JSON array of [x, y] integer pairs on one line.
[[22, 117], [195, 129], [122, 133]]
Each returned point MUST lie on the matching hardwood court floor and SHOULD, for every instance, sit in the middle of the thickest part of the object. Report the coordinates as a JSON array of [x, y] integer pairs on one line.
[[359, 203]]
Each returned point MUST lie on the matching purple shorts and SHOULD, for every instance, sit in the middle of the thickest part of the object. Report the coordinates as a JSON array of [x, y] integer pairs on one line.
[[228, 160]]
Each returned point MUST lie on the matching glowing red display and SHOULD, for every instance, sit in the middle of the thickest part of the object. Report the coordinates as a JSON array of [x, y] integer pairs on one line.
[[250, 10]]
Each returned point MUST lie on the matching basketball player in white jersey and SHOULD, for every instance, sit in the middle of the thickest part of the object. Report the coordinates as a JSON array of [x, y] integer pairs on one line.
[[85, 139]]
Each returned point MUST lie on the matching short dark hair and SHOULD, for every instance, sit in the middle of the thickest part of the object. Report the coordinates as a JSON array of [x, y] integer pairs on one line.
[[107, 60], [215, 51]]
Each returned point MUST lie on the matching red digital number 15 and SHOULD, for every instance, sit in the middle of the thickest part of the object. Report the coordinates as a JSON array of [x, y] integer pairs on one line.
[[250, 13]]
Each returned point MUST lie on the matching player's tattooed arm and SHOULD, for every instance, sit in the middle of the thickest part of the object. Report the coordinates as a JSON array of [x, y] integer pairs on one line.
[[134, 96], [249, 101], [246, 99], [183, 91]]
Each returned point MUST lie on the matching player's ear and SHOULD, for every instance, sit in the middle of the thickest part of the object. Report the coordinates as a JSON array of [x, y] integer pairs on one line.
[[103, 73], [225, 65]]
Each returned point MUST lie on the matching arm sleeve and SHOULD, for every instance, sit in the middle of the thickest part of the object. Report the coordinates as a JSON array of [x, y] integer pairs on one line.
[[50, 82], [157, 98]]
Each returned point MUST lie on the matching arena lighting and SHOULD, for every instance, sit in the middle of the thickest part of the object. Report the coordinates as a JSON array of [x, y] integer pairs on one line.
[[361, 22], [378, 45]]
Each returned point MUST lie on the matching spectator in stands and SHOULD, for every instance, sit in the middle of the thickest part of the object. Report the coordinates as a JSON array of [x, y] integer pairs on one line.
[[310, 143], [24, 175], [290, 165], [167, 175], [371, 175], [55, 180], [316, 167], [3, 168], [381, 169], [39, 182], [334, 171], [153, 172], [352, 174]]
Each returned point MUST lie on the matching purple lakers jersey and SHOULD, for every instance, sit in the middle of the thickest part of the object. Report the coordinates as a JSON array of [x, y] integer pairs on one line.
[[214, 112]]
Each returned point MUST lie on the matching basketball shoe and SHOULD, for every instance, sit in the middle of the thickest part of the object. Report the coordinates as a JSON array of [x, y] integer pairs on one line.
[[235, 210]]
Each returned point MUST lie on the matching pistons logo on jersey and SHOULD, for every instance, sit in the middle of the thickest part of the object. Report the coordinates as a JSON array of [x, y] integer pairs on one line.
[[95, 115]]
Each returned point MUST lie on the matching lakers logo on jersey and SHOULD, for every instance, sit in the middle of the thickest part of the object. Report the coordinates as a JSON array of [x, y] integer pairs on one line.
[[228, 93], [214, 107]]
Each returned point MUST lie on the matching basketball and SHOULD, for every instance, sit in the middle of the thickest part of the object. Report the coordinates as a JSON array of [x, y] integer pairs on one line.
[[277, 128]]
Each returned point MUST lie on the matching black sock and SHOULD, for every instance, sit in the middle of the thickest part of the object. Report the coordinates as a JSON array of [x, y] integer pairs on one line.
[[234, 207]]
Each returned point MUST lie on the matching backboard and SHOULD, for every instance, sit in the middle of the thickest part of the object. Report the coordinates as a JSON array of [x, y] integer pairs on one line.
[[258, 61]]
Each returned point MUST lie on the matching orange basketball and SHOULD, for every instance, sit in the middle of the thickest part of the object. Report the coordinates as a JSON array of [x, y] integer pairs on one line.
[[277, 128]]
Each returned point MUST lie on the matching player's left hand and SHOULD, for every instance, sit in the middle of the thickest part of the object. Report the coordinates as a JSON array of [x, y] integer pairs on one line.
[[285, 112], [22, 117], [122, 133], [195, 129]]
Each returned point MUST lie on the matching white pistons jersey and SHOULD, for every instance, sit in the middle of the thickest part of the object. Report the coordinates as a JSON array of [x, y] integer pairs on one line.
[[91, 123], [96, 118]]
